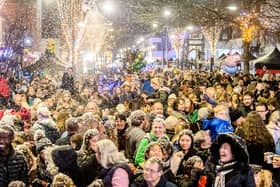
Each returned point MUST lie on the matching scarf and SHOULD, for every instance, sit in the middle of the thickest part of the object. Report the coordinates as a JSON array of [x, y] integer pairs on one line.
[[222, 170]]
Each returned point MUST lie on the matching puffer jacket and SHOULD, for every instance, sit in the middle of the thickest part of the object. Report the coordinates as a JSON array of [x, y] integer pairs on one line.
[[216, 126], [13, 167]]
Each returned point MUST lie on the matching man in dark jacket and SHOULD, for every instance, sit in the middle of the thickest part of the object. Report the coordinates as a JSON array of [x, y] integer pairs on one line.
[[135, 132], [68, 81], [13, 165], [153, 174], [72, 127]]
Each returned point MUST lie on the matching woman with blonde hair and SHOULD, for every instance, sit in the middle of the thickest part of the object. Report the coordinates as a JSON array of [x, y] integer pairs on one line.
[[274, 125], [17, 184], [61, 179], [116, 171]]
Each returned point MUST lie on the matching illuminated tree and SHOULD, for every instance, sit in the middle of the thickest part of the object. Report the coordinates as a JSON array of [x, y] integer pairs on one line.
[[71, 16]]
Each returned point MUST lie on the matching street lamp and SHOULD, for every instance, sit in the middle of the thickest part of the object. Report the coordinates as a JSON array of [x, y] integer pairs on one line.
[[155, 25], [166, 13], [190, 27], [108, 7], [232, 7]]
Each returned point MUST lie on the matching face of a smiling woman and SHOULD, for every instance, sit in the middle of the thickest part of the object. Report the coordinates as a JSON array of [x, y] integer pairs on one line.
[[226, 153]]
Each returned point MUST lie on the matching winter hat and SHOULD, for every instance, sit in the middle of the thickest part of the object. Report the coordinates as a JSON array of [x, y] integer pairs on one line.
[[65, 158], [9, 120], [188, 165], [235, 115], [41, 143], [25, 114], [238, 146]]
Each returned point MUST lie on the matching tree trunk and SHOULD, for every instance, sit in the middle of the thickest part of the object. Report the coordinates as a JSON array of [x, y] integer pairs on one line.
[[245, 56]]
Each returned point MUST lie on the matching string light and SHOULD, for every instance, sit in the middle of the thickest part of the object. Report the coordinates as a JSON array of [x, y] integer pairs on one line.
[[248, 27], [71, 13], [212, 34]]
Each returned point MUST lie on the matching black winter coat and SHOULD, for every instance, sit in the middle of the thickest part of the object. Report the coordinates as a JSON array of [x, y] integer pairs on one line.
[[13, 167], [241, 176]]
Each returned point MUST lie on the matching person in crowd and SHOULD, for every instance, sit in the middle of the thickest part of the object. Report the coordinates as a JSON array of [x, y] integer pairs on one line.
[[274, 126], [258, 139], [87, 152], [17, 183], [66, 104], [156, 149], [192, 112], [209, 96], [263, 111], [64, 160], [157, 109], [68, 80], [111, 131], [121, 125], [234, 100], [231, 163], [42, 143], [30, 158], [86, 157], [135, 133], [46, 123], [153, 174], [115, 170], [220, 123], [157, 131], [185, 150], [193, 174], [88, 121], [202, 114], [171, 123], [4, 90], [92, 107], [13, 165], [202, 144], [236, 118], [170, 104], [61, 179], [85, 95], [179, 111], [247, 104], [72, 128], [15, 103], [76, 141], [263, 177]]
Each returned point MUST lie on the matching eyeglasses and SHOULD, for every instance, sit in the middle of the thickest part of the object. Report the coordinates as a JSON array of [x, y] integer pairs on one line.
[[149, 170]]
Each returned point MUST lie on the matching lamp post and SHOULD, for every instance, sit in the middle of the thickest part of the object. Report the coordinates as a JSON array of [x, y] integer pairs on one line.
[[166, 14]]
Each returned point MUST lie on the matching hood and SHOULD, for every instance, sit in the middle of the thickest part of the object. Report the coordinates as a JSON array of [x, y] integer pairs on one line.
[[238, 147]]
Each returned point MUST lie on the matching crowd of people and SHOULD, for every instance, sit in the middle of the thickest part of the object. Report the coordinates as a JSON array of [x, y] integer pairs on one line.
[[152, 129]]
